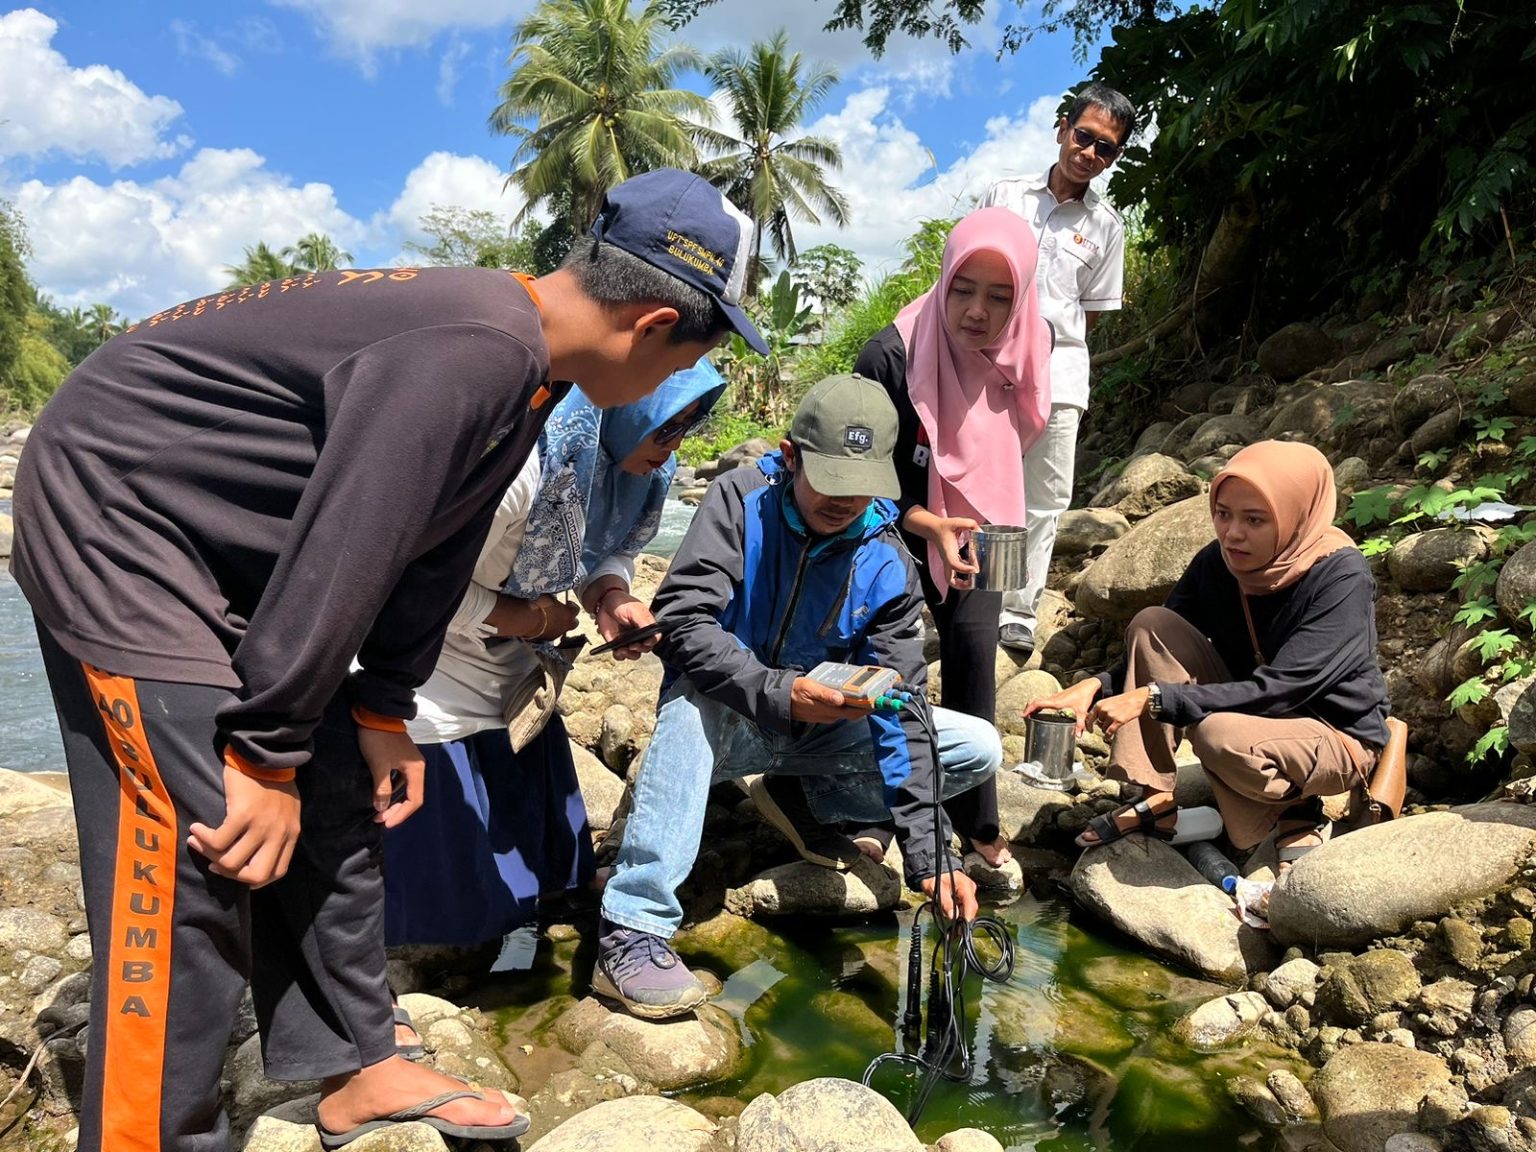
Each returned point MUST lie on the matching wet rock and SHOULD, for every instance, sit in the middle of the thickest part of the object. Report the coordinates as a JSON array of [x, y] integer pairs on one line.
[[830, 1115], [1368, 1092], [1295, 350], [1357, 888], [601, 790], [1290, 982], [1083, 529], [1291, 1094], [1148, 890], [968, 1140], [1066, 1021], [1221, 1022], [1431, 561], [1139, 570], [800, 888], [1259, 1102], [633, 1124], [695, 1049], [1367, 985]]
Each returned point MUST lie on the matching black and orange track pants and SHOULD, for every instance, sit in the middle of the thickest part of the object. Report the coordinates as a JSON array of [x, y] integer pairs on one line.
[[173, 944]]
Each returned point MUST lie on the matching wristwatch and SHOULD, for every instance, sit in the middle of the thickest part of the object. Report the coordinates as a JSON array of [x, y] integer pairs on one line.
[[1154, 700]]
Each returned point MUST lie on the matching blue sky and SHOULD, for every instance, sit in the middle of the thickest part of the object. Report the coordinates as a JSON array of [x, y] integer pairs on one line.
[[146, 144]]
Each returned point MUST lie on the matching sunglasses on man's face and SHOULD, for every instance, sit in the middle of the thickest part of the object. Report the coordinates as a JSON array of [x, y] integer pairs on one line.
[[679, 428], [1103, 149]]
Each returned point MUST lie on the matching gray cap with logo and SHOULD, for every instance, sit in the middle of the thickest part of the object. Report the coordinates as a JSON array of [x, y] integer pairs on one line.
[[845, 434]]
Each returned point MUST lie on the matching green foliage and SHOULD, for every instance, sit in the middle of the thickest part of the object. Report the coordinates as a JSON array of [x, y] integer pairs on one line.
[[15, 292], [726, 428], [1476, 611], [1376, 545], [829, 275], [474, 237], [316, 252], [1422, 110], [1492, 428], [39, 368], [1494, 742], [1477, 576], [1470, 691], [1433, 461], [1370, 506], [1494, 643], [877, 19], [758, 382]]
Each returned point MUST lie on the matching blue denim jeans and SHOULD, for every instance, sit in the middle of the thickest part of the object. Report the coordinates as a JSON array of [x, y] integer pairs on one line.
[[698, 743]]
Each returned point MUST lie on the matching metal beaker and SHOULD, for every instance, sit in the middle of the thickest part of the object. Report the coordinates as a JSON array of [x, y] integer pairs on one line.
[[1050, 748], [1001, 552]]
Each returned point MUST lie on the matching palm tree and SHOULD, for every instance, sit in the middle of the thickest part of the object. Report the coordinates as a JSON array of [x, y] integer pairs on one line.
[[591, 101], [261, 263], [103, 323], [766, 174], [316, 252]]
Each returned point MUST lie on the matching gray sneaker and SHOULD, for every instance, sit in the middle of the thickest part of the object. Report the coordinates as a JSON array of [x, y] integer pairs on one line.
[[1016, 637], [643, 973]]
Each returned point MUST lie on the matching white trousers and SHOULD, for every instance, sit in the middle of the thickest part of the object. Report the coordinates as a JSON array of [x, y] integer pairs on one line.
[[1047, 493]]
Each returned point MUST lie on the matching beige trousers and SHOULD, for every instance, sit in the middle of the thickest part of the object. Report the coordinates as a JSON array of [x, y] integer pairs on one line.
[[1258, 766]]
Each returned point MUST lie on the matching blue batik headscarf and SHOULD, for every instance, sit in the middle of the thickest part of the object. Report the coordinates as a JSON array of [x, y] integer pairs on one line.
[[588, 508]]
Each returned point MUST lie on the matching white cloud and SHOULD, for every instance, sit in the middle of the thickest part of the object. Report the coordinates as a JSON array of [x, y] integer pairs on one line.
[[446, 180], [194, 45], [49, 108], [893, 183], [448, 69], [141, 246], [361, 28]]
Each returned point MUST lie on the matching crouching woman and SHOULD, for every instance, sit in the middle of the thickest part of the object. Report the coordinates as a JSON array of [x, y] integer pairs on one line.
[[1264, 656]]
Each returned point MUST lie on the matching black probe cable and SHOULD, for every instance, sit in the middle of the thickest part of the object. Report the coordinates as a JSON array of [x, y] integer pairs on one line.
[[946, 1054]]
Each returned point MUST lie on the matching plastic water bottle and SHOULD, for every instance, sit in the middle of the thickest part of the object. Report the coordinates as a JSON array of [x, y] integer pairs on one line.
[[1215, 867]]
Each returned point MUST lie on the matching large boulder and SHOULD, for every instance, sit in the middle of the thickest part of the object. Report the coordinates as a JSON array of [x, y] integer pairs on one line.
[[1421, 398], [1295, 350], [1016, 694], [1431, 561], [824, 1115], [1149, 891], [1149, 482], [601, 789], [633, 1124], [1370, 1092], [1375, 881], [698, 1048], [1139, 570], [597, 683], [1221, 1022], [1027, 813], [1322, 414]]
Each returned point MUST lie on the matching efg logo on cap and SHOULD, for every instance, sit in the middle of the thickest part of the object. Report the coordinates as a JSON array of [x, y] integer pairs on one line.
[[684, 225], [858, 438]]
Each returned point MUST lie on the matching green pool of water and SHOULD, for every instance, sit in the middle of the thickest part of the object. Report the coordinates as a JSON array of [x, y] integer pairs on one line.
[[1072, 1053]]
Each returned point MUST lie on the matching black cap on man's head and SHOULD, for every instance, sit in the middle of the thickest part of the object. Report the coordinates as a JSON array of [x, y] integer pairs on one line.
[[684, 225]]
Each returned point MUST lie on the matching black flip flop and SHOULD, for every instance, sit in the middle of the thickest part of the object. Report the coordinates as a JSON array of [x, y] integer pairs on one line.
[[418, 1114], [412, 1052], [1104, 827]]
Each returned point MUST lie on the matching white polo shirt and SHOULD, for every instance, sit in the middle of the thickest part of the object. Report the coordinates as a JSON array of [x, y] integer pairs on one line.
[[1081, 268]]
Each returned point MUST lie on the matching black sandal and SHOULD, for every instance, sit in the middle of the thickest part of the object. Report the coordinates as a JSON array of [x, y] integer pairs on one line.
[[1104, 827]]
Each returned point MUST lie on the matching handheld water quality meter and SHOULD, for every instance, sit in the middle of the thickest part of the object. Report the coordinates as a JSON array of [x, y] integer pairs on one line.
[[863, 685]]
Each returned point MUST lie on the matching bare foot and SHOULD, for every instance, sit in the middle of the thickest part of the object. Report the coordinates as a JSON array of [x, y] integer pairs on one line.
[[1299, 836], [406, 1036], [395, 1084], [996, 854]]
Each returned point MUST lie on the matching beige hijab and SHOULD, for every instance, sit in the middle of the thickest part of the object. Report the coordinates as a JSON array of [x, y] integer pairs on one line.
[[1297, 484]]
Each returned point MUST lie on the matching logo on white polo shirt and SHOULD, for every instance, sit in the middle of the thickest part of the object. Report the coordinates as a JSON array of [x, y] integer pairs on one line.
[[1079, 239]]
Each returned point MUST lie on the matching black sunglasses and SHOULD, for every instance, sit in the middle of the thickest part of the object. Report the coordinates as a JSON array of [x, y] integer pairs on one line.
[[1103, 149], [679, 428]]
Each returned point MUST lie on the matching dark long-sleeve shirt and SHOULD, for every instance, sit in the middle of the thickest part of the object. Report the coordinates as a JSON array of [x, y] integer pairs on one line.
[[884, 359], [250, 489], [1317, 637]]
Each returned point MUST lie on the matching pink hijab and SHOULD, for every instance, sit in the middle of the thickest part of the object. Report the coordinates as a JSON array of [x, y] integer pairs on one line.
[[981, 410]]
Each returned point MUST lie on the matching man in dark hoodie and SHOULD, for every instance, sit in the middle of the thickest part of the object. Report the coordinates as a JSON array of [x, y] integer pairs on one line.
[[216, 512], [786, 565]]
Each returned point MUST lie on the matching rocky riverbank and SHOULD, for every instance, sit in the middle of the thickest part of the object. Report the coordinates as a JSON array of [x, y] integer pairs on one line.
[[1392, 1002]]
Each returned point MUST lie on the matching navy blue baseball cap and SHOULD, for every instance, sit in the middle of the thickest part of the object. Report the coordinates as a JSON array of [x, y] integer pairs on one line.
[[684, 225]]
